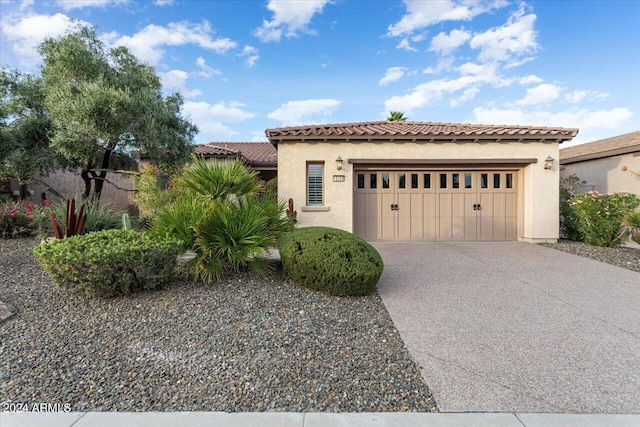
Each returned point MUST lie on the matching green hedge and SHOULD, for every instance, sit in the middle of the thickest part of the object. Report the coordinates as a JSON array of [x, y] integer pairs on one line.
[[330, 260], [109, 262]]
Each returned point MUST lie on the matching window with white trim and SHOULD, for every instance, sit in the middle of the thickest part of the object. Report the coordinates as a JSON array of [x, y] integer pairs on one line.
[[315, 194]]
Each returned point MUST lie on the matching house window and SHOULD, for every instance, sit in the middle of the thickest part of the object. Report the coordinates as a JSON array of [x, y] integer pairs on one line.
[[314, 184]]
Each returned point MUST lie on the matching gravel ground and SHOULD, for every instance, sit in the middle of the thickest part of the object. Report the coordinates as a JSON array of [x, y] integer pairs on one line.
[[240, 345], [620, 256]]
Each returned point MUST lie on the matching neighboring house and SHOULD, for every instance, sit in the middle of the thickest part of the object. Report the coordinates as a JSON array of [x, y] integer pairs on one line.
[[605, 165], [259, 156], [400, 181]]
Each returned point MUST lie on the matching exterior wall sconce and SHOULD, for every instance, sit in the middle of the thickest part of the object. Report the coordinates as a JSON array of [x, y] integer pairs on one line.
[[339, 163], [548, 162]]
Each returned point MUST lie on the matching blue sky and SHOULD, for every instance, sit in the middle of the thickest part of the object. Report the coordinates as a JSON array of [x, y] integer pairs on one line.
[[245, 66]]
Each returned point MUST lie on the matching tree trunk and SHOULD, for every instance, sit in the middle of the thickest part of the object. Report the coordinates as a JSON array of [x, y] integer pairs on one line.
[[87, 181], [97, 191]]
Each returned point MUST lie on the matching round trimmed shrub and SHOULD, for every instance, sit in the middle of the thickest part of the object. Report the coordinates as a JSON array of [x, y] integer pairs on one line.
[[109, 262], [330, 260]]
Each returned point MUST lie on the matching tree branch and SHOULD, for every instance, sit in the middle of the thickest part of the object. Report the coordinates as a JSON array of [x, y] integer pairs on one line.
[[50, 188], [115, 185]]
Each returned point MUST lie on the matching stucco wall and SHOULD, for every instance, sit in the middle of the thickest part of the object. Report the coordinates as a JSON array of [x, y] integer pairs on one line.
[[606, 175], [538, 188], [69, 184]]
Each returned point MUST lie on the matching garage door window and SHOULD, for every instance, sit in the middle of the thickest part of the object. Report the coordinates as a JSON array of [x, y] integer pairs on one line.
[[314, 184]]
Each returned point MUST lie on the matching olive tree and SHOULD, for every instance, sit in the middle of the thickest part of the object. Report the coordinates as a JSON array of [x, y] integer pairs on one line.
[[106, 107]]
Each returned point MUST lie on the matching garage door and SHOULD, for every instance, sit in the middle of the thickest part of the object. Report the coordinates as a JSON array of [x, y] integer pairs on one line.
[[435, 205]]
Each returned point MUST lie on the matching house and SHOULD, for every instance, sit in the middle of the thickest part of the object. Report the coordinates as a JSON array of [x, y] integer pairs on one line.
[[421, 181], [606, 164], [259, 156]]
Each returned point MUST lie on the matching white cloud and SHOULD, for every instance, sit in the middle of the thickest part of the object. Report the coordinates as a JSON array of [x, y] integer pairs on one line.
[[296, 112], [205, 70], [147, 43], [258, 136], [393, 74], [467, 95], [404, 44], [421, 14], [251, 54], [24, 33], [589, 122], [163, 2], [530, 79], [508, 42], [79, 4], [579, 95], [174, 79], [211, 118], [177, 80], [472, 75], [445, 44], [289, 17], [541, 94]]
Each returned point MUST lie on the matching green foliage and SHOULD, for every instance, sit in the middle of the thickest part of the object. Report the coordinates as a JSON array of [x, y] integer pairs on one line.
[[94, 108], [231, 238], [631, 226], [25, 127], [178, 219], [126, 221], [100, 215], [330, 260], [219, 214], [24, 219], [270, 189], [568, 222], [396, 116], [599, 217], [216, 180], [109, 262], [149, 191]]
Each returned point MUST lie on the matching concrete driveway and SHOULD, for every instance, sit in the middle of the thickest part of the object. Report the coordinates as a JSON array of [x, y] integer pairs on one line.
[[515, 327]]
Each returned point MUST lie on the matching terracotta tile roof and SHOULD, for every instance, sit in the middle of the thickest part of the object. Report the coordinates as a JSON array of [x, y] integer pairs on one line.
[[617, 145], [254, 153], [418, 131]]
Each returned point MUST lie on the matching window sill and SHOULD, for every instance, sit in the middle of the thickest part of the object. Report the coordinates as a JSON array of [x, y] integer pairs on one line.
[[315, 208]]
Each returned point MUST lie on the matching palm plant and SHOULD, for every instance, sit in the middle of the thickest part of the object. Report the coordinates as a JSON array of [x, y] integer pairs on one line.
[[631, 226], [221, 216], [232, 238], [215, 180], [396, 116]]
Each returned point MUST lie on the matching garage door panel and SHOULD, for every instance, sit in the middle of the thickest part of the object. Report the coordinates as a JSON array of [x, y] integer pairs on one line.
[[387, 229], [360, 215], [437, 205]]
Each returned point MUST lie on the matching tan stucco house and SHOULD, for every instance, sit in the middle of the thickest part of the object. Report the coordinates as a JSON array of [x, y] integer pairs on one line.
[[605, 165], [401, 181]]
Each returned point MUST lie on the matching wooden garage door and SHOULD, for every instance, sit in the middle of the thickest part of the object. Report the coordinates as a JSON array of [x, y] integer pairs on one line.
[[435, 205]]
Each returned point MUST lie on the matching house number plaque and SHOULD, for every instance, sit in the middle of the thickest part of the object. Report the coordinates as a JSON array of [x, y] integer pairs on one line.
[[338, 178]]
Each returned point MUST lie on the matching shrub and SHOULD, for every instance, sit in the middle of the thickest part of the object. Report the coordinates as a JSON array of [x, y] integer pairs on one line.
[[101, 215], [220, 215], [331, 260], [599, 217], [109, 262], [631, 226], [568, 221], [24, 219]]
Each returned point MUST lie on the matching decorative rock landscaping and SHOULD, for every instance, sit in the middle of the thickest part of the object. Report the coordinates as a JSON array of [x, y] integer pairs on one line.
[[239, 345], [620, 256]]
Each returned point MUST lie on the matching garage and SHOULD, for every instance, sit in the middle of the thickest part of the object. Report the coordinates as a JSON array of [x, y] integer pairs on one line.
[[435, 205], [423, 181]]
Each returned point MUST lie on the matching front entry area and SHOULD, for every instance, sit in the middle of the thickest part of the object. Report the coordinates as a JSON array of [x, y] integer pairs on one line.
[[435, 205]]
